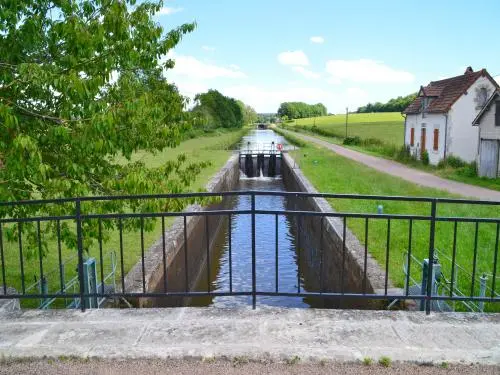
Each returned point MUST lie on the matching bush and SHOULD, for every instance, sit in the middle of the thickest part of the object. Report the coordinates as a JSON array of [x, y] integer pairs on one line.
[[404, 155], [469, 170], [425, 158], [452, 162], [352, 141]]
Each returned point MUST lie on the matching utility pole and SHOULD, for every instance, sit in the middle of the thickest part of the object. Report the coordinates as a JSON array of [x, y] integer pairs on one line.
[[346, 119]]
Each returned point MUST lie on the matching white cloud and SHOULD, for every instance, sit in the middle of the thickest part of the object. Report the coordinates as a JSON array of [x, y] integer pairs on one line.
[[365, 71], [234, 66], [297, 58], [317, 39], [208, 48], [166, 11], [306, 72], [497, 78], [194, 69]]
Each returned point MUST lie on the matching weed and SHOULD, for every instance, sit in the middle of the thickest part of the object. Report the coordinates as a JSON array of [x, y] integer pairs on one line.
[[293, 360], [240, 360], [444, 365], [385, 361], [367, 361]]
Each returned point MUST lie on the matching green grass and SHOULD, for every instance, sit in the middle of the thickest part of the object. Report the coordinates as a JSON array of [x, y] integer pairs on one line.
[[390, 151], [334, 174], [213, 148], [388, 126]]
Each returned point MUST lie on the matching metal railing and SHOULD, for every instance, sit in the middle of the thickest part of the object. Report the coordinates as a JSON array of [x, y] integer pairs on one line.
[[81, 214]]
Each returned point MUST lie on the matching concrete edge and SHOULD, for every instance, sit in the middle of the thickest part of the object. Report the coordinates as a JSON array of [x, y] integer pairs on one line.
[[375, 273], [153, 256]]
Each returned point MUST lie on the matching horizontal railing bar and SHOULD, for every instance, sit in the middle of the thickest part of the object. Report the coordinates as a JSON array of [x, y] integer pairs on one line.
[[468, 219], [268, 294], [251, 192], [248, 212]]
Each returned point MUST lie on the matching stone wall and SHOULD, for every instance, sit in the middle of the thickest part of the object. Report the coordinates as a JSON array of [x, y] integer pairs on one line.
[[173, 241], [322, 243]]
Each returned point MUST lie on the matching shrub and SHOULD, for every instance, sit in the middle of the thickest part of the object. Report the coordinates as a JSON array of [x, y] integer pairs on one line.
[[455, 162], [425, 158], [367, 361], [352, 141], [469, 170], [385, 361], [452, 162]]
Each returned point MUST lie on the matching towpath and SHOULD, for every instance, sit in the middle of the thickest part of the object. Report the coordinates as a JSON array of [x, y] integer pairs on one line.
[[409, 174]]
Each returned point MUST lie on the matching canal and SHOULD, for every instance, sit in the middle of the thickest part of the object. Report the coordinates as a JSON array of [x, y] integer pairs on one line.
[[276, 237]]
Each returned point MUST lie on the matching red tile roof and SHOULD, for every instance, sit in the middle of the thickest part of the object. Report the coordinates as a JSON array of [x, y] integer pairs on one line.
[[445, 93]]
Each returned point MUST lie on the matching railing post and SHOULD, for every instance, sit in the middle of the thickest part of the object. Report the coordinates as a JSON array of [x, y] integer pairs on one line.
[[430, 273], [79, 242], [254, 283]]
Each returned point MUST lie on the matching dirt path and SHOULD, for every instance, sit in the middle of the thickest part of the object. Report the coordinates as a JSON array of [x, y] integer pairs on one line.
[[406, 173], [192, 367]]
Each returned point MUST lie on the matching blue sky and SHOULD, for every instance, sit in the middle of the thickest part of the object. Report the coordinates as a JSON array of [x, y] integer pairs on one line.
[[340, 53]]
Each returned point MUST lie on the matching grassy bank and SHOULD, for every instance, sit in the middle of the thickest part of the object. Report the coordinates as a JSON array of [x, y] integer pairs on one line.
[[332, 173], [388, 127], [461, 172], [214, 147]]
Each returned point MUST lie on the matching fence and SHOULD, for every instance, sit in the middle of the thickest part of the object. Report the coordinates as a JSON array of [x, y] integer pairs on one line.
[[86, 224]]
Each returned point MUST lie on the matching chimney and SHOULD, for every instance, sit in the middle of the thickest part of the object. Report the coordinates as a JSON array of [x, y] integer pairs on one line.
[[469, 70]]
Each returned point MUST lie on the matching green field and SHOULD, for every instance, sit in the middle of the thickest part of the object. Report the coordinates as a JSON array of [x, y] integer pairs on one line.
[[214, 148], [388, 126], [334, 174]]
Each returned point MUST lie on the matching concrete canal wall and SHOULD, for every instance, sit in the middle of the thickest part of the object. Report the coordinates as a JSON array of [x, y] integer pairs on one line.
[[226, 179], [322, 242]]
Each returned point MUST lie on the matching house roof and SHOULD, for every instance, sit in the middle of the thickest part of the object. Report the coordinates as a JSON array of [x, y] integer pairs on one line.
[[446, 92], [486, 107]]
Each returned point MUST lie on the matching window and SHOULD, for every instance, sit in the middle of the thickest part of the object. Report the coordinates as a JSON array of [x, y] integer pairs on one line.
[[497, 113], [436, 140], [412, 136]]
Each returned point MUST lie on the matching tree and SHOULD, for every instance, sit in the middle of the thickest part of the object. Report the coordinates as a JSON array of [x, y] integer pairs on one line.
[[82, 86], [295, 110], [394, 105], [249, 114], [219, 110]]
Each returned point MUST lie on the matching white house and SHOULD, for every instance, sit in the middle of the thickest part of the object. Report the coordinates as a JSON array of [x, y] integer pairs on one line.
[[439, 119], [488, 122]]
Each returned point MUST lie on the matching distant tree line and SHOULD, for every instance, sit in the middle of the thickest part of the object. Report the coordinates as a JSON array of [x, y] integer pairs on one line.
[[293, 110], [266, 117], [214, 110], [394, 105]]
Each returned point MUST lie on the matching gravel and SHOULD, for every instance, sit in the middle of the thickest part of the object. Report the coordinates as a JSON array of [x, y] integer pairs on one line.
[[237, 366]]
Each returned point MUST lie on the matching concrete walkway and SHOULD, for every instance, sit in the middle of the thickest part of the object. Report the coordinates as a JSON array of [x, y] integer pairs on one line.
[[265, 334], [406, 173]]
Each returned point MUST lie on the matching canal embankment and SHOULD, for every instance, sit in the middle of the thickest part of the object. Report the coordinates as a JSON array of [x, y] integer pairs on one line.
[[345, 266], [167, 253], [293, 253]]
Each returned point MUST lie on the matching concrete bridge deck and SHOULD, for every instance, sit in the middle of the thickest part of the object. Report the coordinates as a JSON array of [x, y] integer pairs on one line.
[[274, 334]]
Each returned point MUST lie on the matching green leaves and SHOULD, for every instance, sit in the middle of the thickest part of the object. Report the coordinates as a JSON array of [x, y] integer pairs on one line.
[[81, 84]]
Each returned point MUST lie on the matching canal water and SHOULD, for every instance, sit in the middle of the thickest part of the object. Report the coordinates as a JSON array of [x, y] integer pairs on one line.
[[233, 251]]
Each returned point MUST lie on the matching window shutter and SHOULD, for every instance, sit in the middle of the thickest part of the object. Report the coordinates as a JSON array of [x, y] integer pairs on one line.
[[436, 139], [497, 114], [412, 136]]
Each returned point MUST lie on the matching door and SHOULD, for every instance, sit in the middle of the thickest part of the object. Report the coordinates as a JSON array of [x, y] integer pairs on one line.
[[422, 141], [488, 158]]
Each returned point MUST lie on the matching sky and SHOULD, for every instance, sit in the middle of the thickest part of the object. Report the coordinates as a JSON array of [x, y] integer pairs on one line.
[[339, 53]]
